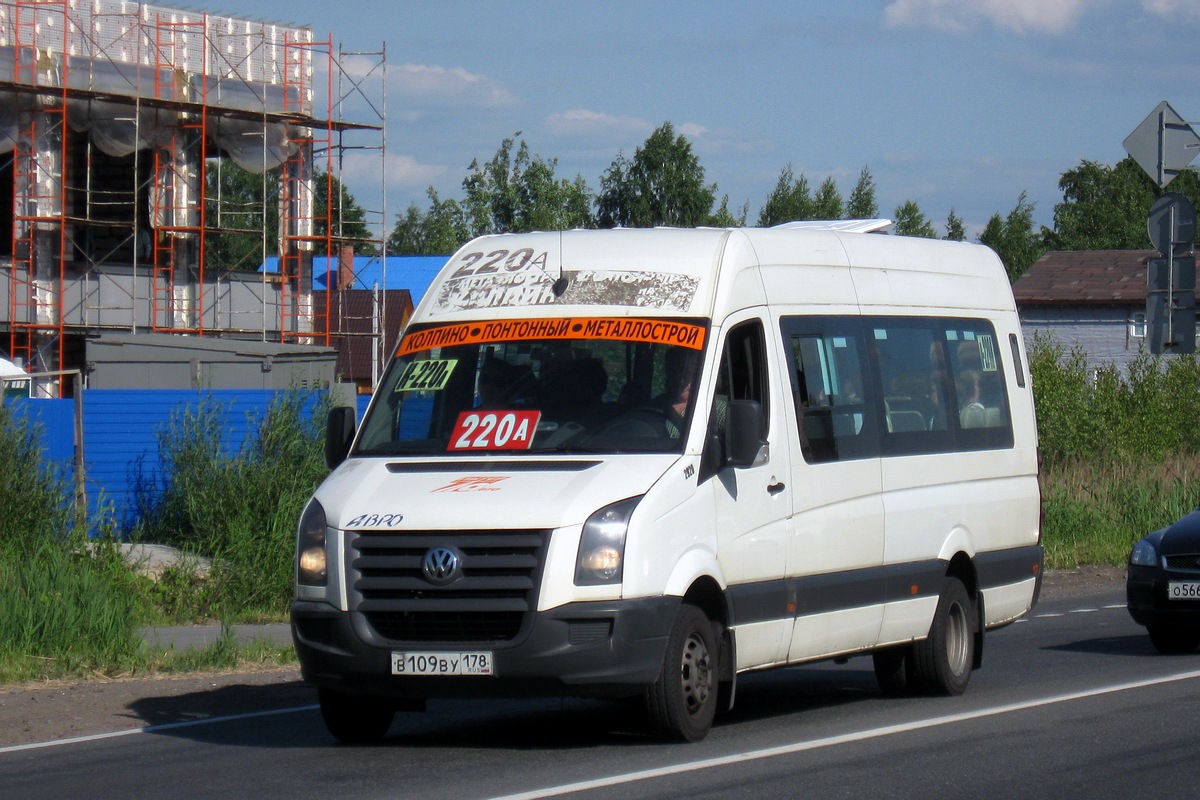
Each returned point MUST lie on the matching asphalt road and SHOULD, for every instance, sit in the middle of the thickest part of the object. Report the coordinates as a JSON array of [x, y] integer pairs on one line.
[[1072, 702]]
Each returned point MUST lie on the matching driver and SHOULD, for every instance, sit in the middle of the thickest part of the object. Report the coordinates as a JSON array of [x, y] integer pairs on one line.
[[680, 367]]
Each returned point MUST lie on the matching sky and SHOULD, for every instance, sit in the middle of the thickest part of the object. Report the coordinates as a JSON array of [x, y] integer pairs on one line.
[[954, 104]]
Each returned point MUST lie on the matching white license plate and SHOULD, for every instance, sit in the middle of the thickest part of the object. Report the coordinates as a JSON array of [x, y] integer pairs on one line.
[[470, 663], [1183, 590]]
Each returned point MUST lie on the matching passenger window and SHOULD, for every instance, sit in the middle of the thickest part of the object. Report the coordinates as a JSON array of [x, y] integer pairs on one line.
[[979, 385], [831, 388], [912, 371], [896, 386]]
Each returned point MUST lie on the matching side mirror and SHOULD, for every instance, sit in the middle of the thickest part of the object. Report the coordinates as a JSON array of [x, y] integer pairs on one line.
[[339, 433], [745, 432]]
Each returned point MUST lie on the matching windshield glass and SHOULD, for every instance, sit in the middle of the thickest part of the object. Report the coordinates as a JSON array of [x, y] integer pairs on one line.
[[538, 386]]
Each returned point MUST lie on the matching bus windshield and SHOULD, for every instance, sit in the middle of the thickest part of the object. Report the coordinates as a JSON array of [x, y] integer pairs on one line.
[[538, 386]]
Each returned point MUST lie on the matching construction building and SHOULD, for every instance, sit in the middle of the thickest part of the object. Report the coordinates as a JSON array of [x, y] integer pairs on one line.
[[123, 127]]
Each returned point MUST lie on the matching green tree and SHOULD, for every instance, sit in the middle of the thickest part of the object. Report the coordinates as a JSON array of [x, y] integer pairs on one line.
[[347, 217], [517, 192], [242, 212], [911, 221], [1013, 238], [662, 185], [491, 193], [547, 203], [1104, 208], [861, 204], [790, 200], [724, 218], [440, 230], [955, 230], [827, 203]]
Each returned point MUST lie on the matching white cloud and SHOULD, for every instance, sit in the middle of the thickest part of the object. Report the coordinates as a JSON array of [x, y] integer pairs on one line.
[[361, 168], [452, 85], [359, 67], [1015, 16], [1173, 9], [693, 130], [583, 122]]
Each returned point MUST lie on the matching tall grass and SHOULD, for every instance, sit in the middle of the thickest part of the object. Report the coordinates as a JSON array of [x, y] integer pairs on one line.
[[65, 608], [1096, 510], [237, 511]]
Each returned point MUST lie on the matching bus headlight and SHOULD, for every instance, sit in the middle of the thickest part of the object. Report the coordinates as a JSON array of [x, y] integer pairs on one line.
[[310, 547], [602, 545]]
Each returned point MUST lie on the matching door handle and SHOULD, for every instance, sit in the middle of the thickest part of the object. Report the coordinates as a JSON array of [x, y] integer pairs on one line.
[[775, 488]]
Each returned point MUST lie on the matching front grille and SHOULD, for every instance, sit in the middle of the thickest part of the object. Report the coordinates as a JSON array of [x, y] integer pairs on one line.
[[498, 588], [1185, 563]]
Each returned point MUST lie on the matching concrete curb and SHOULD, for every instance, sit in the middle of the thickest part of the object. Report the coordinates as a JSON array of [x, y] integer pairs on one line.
[[195, 637]]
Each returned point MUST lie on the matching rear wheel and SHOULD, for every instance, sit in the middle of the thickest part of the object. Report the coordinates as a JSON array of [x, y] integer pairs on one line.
[[943, 660], [683, 701], [1174, 640], [353, 718]]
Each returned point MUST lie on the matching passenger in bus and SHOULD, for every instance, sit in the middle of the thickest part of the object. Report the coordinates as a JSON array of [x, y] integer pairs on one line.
[[972, 413]]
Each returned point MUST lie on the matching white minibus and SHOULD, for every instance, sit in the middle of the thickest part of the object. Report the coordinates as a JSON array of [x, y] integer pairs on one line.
[[645, 462]]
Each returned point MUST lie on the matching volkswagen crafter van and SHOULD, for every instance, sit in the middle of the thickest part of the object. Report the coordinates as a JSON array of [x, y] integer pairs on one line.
[[644, 462]]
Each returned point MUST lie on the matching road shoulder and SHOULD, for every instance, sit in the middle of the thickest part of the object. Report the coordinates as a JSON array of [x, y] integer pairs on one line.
[[67, 709]]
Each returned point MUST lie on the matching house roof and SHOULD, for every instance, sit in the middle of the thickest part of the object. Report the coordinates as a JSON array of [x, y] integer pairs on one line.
[[1085, 278], [413, 273]]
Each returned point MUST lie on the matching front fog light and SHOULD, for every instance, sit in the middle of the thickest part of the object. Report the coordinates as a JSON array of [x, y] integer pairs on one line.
[[602, 544], [310, 547]]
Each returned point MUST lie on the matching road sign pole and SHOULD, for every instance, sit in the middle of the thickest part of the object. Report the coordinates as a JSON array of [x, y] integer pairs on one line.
[[1162, 148], [1171, 280]]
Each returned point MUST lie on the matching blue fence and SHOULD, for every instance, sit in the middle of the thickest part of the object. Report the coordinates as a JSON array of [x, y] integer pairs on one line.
[[121, 431]]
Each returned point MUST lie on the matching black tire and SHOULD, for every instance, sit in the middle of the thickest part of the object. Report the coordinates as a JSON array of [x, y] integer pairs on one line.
[[943, 660], [682, 702], [355, 719], [1174, 640], [895, 671]]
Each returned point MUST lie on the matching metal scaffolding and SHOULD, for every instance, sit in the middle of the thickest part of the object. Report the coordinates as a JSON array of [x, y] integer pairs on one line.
[[119, 122]]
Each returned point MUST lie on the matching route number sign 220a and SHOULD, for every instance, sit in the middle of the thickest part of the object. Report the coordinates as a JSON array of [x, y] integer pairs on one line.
[[494, 430]]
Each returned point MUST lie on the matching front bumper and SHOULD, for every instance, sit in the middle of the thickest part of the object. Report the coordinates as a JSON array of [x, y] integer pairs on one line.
[[1146, 597], [610, 649]]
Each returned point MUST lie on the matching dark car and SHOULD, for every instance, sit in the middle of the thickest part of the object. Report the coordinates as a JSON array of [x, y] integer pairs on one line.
[[1162, 585]]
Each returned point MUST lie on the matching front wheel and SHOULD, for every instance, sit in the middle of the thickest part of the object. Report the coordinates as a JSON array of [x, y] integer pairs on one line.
[[355, 719], [683, 701], [1174, 640], [943, 660]]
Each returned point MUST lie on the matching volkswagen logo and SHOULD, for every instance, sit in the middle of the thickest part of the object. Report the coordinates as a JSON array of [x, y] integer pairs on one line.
[[441, 565]]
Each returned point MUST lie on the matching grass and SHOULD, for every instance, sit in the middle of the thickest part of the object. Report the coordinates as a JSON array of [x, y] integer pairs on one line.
[[1095, 511], [71, 607]]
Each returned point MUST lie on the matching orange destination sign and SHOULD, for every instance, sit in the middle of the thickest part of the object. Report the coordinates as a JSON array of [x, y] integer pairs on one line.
[[624, 329]]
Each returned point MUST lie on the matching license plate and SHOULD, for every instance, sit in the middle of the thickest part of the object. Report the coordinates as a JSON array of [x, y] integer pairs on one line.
[[1183, 590], [471, 663]]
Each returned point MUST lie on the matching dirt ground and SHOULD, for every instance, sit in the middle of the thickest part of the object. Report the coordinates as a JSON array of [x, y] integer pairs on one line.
[[61, 710]]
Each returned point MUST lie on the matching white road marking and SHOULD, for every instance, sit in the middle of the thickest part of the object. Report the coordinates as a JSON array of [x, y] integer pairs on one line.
[[95, 737], [634, 776], [847, 738]]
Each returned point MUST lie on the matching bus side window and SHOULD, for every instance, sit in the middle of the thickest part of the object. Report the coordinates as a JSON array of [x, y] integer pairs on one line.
[[831, 389]]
